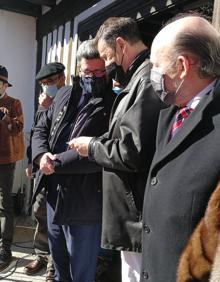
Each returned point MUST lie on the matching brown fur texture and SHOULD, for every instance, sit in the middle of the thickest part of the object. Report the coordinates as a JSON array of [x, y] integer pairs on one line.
[[215, 274], [202, 250]]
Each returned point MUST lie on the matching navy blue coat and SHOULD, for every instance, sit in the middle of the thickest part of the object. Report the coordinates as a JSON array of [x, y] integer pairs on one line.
[[78, 180]]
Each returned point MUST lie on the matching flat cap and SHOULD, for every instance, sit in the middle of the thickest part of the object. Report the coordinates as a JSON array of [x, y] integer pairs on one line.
[[49, 70]]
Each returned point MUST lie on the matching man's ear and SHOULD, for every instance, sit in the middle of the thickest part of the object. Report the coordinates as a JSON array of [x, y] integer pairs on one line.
[[78, 70], [5, 86], [183, 66], [63, 79], [121, 42]]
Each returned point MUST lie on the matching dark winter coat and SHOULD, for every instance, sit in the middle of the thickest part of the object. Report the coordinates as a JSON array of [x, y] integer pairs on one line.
[[183, 174], [126, 153], [79, 181], [40, 111]]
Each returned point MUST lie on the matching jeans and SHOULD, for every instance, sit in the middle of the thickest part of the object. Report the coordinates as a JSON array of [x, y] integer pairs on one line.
[[74, 249], [6, 204]]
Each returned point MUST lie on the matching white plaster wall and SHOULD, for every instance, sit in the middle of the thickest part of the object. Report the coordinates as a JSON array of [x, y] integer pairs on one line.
[[18, 53]]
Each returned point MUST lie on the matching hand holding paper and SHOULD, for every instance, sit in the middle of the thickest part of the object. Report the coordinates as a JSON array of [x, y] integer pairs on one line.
[[80, 144]]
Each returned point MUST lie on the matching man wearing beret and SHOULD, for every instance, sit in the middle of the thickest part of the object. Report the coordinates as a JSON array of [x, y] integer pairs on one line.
[[11, 150], [51, 77]]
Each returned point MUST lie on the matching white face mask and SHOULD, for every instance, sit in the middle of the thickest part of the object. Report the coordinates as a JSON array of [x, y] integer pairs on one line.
[[50, 90], [2, 89], [157, 81]]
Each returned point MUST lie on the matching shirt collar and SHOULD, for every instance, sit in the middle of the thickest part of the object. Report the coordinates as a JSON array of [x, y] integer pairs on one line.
[[195, 100], [143, 54]]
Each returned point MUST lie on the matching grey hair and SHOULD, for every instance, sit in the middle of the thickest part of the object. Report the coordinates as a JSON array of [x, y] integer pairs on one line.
[[87, 50], [203, 46]]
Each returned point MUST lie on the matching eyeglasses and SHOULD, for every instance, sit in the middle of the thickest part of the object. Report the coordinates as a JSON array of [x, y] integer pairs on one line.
[[97, 73], [49, 81]]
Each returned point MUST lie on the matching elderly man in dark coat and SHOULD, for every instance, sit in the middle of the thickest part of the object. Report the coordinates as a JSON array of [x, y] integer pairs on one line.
[[186, 165], [51, 77]]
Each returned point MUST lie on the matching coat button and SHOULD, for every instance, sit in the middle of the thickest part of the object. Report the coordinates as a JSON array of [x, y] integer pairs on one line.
[[153, 181], [145, 274], [146, 228]]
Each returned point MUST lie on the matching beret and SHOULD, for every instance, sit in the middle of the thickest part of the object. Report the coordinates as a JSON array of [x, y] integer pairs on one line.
[[49, 70]]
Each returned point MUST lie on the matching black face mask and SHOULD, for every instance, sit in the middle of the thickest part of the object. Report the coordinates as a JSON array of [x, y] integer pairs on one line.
[[117, 73], [93, 85]]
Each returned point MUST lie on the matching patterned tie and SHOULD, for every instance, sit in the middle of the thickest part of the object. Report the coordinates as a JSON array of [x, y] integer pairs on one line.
[[181, 115]]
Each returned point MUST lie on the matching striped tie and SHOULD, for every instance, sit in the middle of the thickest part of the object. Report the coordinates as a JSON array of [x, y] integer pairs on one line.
[[181, 115]]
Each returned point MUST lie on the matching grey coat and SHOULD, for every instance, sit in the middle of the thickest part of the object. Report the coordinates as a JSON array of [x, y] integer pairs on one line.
[[183, 174]]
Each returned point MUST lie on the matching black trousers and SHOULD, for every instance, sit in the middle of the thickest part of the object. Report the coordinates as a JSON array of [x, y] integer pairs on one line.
[[41, 234], [6, 204]]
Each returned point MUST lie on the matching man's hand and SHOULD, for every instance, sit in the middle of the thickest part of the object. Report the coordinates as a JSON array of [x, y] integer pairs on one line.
[[28, 171], [46, 163], [81, 145], [45, 100], [4, 114], [4, 110]]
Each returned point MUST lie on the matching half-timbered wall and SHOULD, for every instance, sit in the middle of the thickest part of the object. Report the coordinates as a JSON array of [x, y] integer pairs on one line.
[[61, 43], [59, 40]]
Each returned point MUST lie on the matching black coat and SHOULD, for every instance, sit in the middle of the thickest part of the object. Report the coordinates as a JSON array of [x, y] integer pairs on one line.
[[183, 174], [40, 111], [79, 181], [126, 153]]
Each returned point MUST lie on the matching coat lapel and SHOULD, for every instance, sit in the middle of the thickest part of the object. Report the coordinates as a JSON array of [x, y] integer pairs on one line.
[[167, 146], [164, 126]]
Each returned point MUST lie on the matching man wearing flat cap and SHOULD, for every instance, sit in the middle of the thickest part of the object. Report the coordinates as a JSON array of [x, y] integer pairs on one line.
[[51, 78], [11, 150]]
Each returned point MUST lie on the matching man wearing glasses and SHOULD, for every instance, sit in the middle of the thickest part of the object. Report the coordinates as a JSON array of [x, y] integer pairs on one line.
[[51, 77], [73, 183]]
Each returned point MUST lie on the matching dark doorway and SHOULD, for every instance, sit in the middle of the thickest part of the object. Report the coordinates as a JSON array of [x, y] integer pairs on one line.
[[150, 25]]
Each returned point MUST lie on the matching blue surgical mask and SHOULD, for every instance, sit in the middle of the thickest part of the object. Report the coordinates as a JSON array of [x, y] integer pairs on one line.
[[50, 90], [157, 81], [117, 90]]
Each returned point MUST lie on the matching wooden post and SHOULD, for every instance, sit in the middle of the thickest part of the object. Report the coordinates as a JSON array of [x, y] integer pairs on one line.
[[216, 15]]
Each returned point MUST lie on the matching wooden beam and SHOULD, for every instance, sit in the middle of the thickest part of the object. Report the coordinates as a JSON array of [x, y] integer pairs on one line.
[[49, 3], [60, 14], [216, 15], [21, 7]]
